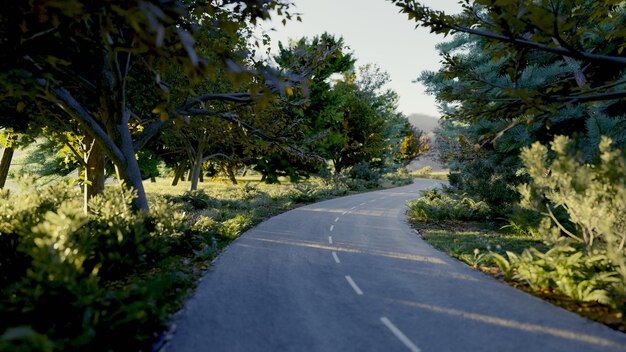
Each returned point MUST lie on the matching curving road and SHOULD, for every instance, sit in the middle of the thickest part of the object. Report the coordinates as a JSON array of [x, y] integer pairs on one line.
[[350, 275]]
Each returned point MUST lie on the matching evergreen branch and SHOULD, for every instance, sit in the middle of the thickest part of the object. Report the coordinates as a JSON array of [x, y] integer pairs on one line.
[[535, 45], [606, 86], [590, 98], [442, 23]]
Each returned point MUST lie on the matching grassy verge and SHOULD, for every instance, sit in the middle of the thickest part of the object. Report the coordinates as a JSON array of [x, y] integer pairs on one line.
[[427, 172], [472, 243]]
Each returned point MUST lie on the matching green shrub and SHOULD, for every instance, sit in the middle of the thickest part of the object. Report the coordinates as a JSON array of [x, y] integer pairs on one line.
[[584, 207], [437, 206], [565, 268], [304, 194], [491, 180], [234, 227], [423, 172], [197, 199], [399, 178], [58, 265], [364, 171]]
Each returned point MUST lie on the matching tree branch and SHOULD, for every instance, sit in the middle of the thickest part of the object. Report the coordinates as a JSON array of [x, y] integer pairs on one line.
[[208, 157], [528, 43], [567, 232], [147, 134], [84, 118], [228, 116], [233, 97], [79, 157]]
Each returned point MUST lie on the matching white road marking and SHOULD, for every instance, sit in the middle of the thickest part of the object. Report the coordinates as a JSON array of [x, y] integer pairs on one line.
[[352, 208], [373, 200], [344, 213], [402, 337], [336, 258], [363, 203], [354, 286], [330, 239], [332, 227], [336, 219]]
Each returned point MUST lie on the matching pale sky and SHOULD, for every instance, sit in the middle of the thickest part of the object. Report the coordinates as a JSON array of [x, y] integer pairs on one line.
[[378, 34]]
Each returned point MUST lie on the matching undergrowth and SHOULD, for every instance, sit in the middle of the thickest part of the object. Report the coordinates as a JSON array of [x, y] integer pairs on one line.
[[110, 279]]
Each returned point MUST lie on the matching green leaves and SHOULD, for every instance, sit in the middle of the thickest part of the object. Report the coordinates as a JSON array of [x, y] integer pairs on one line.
[[586, 202], [587, 278]]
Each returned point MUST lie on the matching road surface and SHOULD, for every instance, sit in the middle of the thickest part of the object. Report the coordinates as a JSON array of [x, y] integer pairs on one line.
[[349, 274]]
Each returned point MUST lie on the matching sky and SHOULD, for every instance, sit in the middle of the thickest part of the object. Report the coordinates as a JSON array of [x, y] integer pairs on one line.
[[376, 33]]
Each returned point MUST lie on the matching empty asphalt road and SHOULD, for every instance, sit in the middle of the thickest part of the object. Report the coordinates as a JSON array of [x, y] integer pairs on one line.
[[350, 275]]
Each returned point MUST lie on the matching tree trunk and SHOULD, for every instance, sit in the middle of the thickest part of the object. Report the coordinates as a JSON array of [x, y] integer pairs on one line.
[[94, 170], [231, 175], [190, 174], [152, 179], [128, 169], [7, 156], [201, 176], [337, 165], [131, 173], [196, 170], [132, 178], [178, 174], [116, 116]]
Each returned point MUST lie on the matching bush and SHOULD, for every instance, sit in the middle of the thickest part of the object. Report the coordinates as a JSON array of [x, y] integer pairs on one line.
[[438, 206], [58, 264], [566, 269], [234, 227], [364, 171], [491, 181], [197, 199], [585, 222], [423, 172]]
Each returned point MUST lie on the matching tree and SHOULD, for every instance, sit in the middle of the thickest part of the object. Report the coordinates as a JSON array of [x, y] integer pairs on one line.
[[325, 56], [585, 37], [354, 113], [81, 55], [521, 72]]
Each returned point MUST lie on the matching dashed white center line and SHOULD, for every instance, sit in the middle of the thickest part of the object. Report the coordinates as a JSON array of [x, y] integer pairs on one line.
[[332, 227], [344, 213], [336, 219], [352, 208], [373, 200], [363, 203], [354, 286], [401, 336], [336, 258], [330, 239]]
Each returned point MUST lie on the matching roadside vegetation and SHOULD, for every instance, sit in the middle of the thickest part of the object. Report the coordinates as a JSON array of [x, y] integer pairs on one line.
[[109, 279], [427, 172], [534, 133], [136, 91]]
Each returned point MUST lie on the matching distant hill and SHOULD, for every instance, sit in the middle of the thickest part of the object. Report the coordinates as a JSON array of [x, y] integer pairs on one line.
[[424, 122]]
